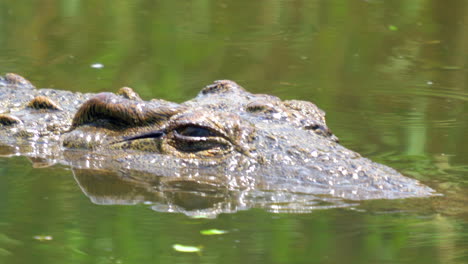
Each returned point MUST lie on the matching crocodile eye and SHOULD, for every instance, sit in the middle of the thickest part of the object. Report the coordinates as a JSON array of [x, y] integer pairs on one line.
[[194, 138], [195, 131]]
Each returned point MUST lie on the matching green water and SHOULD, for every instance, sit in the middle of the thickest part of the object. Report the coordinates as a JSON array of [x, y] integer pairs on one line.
[[391, 75]]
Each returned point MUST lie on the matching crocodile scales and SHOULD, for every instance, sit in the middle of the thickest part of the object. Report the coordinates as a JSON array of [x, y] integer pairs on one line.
[[225, 138]]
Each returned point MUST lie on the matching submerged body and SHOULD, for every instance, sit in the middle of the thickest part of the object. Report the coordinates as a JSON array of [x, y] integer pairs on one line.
[[225, 138]]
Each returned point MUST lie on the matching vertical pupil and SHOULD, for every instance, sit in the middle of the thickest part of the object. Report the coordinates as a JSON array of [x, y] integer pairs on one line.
[[194, 131]]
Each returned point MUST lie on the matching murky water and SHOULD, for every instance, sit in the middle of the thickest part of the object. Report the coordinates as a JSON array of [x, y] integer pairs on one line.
[[392, 76]]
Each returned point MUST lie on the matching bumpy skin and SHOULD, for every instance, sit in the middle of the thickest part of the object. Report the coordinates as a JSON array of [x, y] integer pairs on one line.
[[224, 138]]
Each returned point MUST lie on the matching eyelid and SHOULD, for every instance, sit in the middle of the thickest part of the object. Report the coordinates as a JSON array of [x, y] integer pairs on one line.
[[195, 131], [196, 138], [179, 124]]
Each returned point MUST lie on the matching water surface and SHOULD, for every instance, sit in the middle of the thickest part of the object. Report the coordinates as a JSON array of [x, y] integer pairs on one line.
[[391, 75]]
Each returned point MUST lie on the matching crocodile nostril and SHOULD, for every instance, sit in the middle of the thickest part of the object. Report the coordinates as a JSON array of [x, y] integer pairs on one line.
[[313, 127], [321, 130]]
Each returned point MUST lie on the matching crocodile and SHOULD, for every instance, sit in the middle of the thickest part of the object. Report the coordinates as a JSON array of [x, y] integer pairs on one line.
[[224, 140]]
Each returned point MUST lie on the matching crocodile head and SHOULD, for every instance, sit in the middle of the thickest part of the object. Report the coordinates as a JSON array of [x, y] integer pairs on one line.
[[222, 120], [228, 136]]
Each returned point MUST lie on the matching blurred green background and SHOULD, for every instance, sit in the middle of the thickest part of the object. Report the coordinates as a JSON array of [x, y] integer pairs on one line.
[[391, 75]]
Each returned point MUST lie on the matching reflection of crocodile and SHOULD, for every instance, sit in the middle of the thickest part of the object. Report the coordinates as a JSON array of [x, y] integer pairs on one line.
[[225, 138]]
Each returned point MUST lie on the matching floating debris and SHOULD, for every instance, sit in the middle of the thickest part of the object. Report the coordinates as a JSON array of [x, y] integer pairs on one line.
[[393, 28], [97, 65], [186, 249], [211, 232], [43, 238]]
